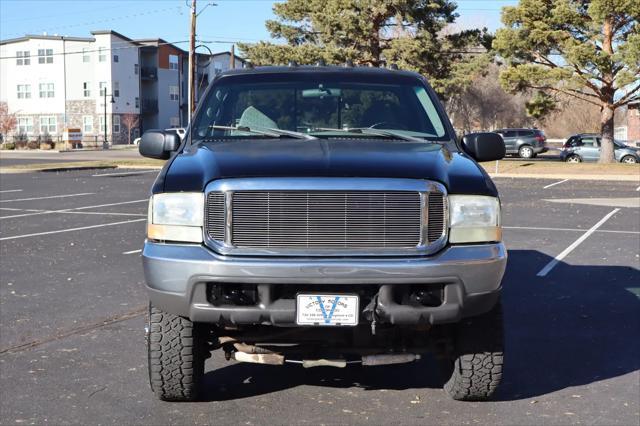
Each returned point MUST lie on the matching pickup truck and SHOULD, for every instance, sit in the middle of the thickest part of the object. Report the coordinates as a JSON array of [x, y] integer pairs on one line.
[[323, 216]]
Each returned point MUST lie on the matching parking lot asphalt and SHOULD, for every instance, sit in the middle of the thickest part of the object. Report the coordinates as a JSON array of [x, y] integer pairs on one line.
[[72, 312]]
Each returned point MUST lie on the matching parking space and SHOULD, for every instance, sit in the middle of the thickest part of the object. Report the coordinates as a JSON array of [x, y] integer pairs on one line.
[[72, 314]]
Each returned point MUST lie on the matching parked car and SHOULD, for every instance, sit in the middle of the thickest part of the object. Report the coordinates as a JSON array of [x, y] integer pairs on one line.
[[525, 143], [323, 216], [586, 147]]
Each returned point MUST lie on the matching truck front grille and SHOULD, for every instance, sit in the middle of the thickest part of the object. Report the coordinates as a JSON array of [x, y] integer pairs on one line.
[[327, 222], [319, 219]]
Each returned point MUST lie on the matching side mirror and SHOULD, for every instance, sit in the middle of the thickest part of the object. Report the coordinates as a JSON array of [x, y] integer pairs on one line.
[[158, 144], [484, 146]]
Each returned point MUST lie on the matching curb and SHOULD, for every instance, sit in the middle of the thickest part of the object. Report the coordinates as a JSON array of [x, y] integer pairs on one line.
[[619, 178]]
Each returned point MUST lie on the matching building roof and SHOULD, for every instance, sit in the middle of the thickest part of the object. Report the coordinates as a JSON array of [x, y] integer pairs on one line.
[[115, 33], [45, 37]]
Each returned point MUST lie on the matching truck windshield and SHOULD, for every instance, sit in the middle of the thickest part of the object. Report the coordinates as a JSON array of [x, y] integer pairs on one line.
[[318, 109]]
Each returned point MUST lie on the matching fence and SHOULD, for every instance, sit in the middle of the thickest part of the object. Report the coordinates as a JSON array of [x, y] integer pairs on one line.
[[55, 142]]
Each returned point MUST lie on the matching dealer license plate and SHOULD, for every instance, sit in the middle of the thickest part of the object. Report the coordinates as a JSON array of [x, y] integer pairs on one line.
[[327, 309]]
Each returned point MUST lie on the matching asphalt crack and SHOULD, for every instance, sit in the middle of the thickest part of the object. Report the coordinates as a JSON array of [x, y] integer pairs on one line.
[[74, 331]]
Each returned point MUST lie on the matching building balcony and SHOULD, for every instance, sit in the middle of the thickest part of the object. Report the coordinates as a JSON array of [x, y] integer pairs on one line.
[[149, 73], [149, 106]]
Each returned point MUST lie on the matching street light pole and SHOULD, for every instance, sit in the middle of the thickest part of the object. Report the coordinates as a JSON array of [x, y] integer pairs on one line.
[[105, 143]]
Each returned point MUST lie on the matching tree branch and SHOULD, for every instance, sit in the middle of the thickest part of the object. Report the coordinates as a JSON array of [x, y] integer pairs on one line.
[[626, 98], [570, 92]]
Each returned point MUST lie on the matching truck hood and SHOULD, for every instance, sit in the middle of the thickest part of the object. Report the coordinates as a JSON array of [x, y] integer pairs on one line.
[[195, 167]]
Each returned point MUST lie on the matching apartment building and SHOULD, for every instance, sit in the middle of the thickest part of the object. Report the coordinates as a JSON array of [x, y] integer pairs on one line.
[[56, 82]]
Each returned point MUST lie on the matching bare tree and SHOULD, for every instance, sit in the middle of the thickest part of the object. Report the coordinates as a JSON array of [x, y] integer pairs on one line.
[[130, 121], [484, 105], [8, 121]]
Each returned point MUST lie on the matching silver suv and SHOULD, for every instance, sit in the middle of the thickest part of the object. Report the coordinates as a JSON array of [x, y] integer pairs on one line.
[[586, 147], [526, 143]]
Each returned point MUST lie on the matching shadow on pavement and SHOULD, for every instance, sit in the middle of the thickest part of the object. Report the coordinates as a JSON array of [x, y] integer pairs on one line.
[[578, 325]]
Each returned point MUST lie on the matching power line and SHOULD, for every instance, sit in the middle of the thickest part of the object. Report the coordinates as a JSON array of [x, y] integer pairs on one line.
[[99, 21]]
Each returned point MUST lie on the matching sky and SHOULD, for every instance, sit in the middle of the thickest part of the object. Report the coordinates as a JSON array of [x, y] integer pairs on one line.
[[218, 26]]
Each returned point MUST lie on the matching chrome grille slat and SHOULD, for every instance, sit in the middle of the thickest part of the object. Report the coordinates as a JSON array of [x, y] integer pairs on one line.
[[215, 216], [436, 214], [326, 219]]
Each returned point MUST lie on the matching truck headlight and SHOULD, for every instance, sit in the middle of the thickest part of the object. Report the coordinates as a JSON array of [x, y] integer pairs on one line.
[[176, 217], [474, 219]]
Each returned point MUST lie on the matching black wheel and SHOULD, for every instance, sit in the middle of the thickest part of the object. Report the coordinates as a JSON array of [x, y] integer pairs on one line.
[[525, 151], [629, 159], [475, 369], [573, 159], [177, 349]]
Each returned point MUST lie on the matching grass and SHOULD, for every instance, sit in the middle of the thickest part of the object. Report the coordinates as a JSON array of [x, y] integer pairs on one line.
[[143, 162], [559, 168]]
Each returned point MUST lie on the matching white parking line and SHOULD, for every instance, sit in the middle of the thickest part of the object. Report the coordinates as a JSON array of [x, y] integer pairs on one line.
[[10, 190], [15, 237], [552, 264], [125, 173], [73, 210], [48, 197], [554, 184], [536, 228], [132, 251]]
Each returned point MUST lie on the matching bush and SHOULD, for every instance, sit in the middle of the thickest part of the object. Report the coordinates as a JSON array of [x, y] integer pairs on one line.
[[32, 145], [8, 145], [21, 144]]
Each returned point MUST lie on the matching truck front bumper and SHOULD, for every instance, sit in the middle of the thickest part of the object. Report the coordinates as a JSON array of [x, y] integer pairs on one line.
[[179, 277]]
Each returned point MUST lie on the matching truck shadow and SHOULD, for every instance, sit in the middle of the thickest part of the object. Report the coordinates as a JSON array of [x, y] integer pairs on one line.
[[578, 325]]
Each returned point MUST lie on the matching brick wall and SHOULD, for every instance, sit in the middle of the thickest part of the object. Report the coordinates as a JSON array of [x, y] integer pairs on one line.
[[633, 122]]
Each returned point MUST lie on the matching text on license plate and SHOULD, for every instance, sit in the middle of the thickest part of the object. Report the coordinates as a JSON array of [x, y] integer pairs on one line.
[[327, 309]]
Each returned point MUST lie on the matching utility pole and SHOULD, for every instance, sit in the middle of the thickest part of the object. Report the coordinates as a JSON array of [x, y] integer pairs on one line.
[[192, 62], [233, 57]]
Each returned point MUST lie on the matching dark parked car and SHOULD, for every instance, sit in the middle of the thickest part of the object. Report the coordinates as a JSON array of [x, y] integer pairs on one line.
[[586, 147], [323, 216], [525, 143]]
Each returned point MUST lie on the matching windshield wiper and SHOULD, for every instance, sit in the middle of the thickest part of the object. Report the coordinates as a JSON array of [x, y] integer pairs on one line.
[[267, 131], [374, 132]]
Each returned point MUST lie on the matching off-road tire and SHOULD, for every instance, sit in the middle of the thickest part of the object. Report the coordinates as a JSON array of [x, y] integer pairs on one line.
[[177, 349], [475, 369]]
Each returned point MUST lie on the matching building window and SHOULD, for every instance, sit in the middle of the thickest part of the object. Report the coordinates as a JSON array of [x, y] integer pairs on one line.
[[116, 89], [25, 125], [23, 57], [102, 129], [87, 124], [137, 102], [48, 124], [24, 91], [174, 93], [102, 56], [103, 88], [174, 122], [86, 89], [136, 69], [86, 56], [116, 124], [173, 62], [46, 90], [115, 58], [45, 56]]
